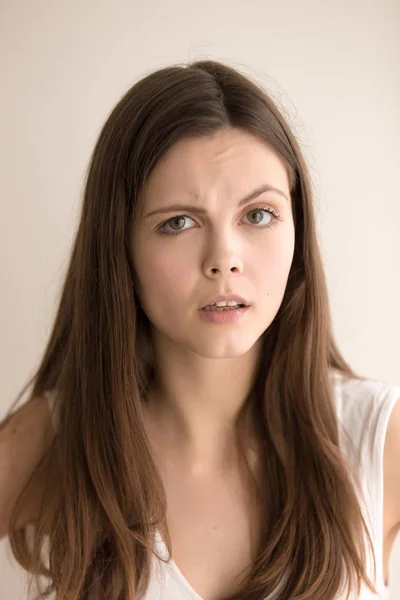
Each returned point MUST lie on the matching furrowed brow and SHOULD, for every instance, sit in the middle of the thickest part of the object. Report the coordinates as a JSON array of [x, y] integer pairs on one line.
[[202, 211]]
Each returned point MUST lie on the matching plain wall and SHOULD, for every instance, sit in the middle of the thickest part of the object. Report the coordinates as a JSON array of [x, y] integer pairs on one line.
[[334, 66]]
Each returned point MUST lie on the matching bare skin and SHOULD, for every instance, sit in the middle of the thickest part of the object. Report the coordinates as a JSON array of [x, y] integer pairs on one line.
[[194, 503], [211, 515], [213, 523], [204, 371], [23, 441]]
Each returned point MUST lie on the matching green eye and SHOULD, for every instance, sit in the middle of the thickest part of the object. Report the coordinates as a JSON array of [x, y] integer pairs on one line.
[[177, 218]]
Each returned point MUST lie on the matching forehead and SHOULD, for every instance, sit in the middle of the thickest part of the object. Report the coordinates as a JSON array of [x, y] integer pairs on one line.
[[231, 161]]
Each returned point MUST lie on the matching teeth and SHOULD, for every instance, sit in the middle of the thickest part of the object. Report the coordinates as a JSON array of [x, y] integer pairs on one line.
[[223, 304], [227, 303], [220, 308]]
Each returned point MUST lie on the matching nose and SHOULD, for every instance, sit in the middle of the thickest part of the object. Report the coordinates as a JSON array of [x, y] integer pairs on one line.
[[223, 256], [223, 266], [216, 270]]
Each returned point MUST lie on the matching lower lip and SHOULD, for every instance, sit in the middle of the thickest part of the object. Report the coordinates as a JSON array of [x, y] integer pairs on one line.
[[224, 317]]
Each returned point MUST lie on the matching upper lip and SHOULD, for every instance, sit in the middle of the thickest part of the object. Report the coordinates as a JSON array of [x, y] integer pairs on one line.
[[214, 299]]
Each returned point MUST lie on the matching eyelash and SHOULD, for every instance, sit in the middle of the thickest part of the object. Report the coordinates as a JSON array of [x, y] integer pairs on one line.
[[276, 217]]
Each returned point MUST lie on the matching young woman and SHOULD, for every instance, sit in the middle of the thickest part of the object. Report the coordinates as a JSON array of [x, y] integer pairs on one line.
[[208, 440]]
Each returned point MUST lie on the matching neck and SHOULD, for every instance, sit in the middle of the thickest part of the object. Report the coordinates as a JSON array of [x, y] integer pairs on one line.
[[192, 407]]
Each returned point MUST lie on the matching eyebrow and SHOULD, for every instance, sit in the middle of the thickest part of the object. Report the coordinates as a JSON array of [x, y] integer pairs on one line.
[[201, 211]]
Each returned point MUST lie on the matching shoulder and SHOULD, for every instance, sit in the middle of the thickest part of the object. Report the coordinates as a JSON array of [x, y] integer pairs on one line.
[[392, 467], [365, 404], [25, 438], [370, 411], [368, 422]]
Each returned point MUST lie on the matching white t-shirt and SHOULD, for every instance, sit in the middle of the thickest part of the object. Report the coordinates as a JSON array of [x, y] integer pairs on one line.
[[363, 409]]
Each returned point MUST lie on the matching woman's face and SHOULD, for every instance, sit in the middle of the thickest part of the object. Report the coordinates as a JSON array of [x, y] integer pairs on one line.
[[182, 257]]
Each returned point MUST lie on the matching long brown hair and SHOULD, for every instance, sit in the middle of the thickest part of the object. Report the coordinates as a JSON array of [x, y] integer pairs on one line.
[[100, 512]]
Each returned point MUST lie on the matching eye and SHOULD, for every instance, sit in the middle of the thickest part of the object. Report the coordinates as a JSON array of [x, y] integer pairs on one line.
[[179, 218], [175, 220], [270, 211]]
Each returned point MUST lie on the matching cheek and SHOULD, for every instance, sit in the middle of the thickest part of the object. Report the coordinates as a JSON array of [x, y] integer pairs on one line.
[[272, 274], [162, 278], [277, 267], [274, 261]]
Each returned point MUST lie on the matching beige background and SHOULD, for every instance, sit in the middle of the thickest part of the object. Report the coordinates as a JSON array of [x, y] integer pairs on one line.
[[335, 67]]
